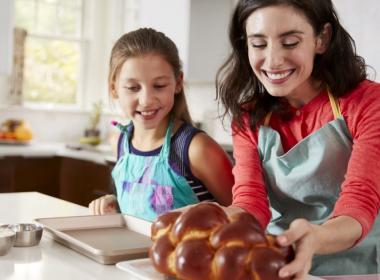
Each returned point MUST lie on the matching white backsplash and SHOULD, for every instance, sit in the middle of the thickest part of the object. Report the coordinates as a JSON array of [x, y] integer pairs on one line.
[[54, 126], [204, 109]]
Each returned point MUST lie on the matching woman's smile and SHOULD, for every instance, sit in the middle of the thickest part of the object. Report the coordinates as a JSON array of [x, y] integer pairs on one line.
[[278, 77]]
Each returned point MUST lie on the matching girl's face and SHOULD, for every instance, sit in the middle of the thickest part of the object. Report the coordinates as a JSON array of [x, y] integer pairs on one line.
[[145, 88], [281, 49]]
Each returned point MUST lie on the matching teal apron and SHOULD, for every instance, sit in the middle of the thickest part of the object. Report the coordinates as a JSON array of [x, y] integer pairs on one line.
[[305, 182], [147, 186]]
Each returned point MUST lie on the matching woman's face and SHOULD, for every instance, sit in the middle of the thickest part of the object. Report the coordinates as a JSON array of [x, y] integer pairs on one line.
[[145, 89], [281, 49]]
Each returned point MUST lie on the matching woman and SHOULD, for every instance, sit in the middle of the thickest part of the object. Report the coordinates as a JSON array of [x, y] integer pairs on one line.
[[306, 138]]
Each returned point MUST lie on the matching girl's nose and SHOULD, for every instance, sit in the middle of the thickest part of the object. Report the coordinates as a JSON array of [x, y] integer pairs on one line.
[[145, 97]]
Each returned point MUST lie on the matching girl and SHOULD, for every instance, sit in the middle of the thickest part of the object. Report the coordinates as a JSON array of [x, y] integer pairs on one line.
[[164, 162], [306, 126]]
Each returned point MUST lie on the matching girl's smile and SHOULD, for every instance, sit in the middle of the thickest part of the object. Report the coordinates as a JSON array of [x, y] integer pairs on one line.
[[148, 115]]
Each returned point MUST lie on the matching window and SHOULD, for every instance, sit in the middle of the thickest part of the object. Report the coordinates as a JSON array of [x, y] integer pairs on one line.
[[67, 49], [53, 50]]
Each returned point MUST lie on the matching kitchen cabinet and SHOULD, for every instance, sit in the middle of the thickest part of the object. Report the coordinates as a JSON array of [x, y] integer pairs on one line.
[[76, 180], [208, 38], [83, 181], [199, 28], [37, 174], [20, 174], [7, 168]]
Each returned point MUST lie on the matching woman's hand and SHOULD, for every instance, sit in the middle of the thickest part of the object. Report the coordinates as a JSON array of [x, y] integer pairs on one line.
[[106, 204], [303, 235], [310, 239]]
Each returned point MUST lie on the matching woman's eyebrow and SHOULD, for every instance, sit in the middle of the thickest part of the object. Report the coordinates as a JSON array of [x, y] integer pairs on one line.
[[291, 32], [284, 34]]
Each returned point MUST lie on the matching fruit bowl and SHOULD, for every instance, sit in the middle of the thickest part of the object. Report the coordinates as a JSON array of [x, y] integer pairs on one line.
[[13, 130]]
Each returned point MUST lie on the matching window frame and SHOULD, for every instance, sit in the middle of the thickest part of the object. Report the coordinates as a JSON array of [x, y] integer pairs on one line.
[[100, 29]]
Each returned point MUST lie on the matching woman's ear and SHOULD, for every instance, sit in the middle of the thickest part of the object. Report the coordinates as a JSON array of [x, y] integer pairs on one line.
[[324, 38], [179, 83]]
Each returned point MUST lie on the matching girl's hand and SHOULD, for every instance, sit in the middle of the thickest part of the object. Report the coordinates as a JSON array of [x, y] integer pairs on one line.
[[304, 235], [106, 204]]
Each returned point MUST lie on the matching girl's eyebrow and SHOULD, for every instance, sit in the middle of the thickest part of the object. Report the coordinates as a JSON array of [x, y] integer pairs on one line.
[[162, 77], [125, 80], [287, 33]]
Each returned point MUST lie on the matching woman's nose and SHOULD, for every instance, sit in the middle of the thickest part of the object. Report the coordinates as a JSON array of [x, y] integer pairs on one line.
[[274, 57]]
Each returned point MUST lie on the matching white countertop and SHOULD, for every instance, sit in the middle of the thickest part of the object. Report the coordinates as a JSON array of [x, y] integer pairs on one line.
[[100, 154], [51, 261], [48, 260]]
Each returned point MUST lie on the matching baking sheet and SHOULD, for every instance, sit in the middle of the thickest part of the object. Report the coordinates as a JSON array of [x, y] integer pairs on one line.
[[107, 239]]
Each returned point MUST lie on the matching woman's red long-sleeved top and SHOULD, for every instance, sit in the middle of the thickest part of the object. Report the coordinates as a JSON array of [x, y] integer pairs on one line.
[[360, 195]]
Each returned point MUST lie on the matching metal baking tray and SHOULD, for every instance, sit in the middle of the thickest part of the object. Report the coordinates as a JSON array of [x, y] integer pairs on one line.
[[106, 239]]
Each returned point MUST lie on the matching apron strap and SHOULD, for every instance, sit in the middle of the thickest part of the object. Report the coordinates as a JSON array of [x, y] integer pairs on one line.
[[166, 146], [267, 118], [333, 102], [124, 129]]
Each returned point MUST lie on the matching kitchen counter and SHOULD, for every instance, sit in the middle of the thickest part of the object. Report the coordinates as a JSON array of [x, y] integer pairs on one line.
[[48, 260], [100, 154]]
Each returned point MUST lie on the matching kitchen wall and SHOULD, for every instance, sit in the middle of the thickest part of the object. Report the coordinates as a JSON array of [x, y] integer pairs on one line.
[[5, 46], [55, 126], [5, 33], [360, 18]]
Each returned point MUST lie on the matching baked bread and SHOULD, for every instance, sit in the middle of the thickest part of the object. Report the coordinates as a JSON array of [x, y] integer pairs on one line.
[[203, 243]]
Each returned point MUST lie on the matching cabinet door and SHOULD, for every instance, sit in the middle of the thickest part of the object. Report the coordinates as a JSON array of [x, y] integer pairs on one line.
[[199, 28], [83, 181], [37, 175], [7, 171], [208, 45]]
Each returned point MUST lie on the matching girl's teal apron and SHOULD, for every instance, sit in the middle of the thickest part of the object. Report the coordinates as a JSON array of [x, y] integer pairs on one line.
[[147, 186], [305, 182]]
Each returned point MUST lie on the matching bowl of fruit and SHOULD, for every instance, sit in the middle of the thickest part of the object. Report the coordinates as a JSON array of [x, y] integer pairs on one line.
[[15, 131]]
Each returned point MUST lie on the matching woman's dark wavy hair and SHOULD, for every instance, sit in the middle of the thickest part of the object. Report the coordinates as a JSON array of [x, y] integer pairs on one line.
[[236, 85]]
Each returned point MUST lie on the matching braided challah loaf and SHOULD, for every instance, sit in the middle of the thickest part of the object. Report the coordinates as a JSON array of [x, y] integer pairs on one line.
[[203, 243]]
